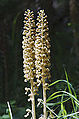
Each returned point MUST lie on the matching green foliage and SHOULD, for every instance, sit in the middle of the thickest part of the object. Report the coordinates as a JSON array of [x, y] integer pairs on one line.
[[6, 115], [18, 112], [68, 95], [57, 103]]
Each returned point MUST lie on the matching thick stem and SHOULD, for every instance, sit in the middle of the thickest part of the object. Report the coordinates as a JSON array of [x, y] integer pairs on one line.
[[44, 99], [33, 101]]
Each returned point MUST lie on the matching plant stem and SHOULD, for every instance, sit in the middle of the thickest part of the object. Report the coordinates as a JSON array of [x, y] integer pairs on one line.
[[32, 92], [33, 101], [44, 99], [43, 80]]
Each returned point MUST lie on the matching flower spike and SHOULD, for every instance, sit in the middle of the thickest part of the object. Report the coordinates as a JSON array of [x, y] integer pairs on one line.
[[36, 57], [29, 57], [42, 54]]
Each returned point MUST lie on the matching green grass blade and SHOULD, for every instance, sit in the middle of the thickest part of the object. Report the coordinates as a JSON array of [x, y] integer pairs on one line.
[[66, 94], [73, 103], [57, 103], [10, 113], [58, 81]]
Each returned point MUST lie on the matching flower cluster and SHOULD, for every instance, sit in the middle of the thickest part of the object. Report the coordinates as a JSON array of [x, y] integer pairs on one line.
[[29, 56], [42, 48], [42, 55], [36, 55], [28, 45]]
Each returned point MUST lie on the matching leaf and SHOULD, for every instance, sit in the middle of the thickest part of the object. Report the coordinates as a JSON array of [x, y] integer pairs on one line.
[[12, 102], [5, 116]]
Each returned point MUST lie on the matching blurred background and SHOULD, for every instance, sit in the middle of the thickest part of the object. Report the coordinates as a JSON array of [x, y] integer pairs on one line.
[[63, 18]]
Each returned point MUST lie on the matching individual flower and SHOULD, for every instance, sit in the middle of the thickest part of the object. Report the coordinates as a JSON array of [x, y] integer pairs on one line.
[[28, 112]]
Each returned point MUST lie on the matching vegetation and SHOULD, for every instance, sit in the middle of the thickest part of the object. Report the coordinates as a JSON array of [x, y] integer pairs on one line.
[[56, 104], [63, 17], [36, 55]]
